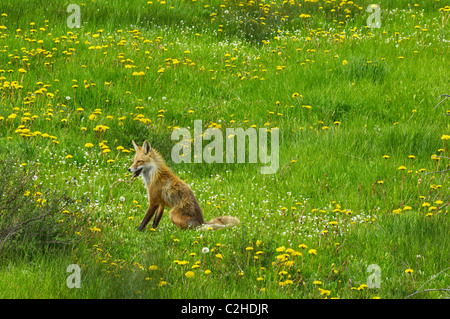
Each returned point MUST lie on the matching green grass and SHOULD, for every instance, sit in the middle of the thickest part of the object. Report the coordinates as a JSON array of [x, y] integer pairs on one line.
[[371, 92]]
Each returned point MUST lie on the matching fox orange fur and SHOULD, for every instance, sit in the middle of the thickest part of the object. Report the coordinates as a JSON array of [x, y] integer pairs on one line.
[[166, 189]]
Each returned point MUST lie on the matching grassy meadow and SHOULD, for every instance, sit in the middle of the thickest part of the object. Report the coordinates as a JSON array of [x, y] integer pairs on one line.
[[363, 152]]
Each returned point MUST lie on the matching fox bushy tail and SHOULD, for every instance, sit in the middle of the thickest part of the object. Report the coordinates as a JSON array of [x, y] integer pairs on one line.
[[220, 222]]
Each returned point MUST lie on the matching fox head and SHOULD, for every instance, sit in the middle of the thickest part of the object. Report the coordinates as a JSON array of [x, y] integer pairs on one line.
[[144, 160]]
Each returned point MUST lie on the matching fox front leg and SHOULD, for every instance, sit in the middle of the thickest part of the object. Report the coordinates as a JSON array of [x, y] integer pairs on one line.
[[158, 216], [148, 215]]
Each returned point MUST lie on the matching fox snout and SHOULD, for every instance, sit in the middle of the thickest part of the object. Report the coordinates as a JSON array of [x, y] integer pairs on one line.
[[136, 170]]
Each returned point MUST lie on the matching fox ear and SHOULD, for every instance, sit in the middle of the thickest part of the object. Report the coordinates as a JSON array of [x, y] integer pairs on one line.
[[136, 147], [147, 147]]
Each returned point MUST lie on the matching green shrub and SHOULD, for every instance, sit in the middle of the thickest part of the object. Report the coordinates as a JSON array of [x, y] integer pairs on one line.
[[32, 219]]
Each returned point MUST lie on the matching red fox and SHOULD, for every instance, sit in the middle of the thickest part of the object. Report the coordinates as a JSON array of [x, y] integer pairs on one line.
[[166, 189]]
